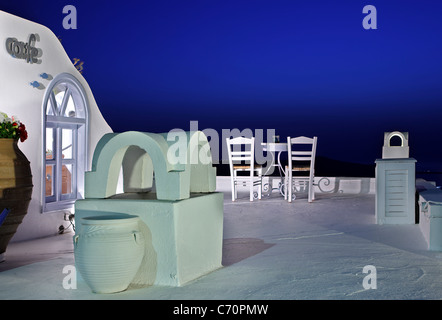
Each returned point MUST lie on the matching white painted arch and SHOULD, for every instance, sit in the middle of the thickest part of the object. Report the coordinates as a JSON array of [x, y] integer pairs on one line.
[[172, 181]]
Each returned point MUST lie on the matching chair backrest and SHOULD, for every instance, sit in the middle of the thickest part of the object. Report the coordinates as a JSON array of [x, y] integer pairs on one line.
[[241, 149], [305, 153]]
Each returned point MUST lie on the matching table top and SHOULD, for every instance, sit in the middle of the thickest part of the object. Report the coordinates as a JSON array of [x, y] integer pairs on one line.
[[274, 146]]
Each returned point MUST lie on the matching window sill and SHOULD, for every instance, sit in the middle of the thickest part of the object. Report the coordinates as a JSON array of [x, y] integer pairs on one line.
[[57, 206]]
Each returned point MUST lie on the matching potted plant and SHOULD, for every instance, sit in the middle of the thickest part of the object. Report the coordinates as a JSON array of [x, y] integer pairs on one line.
[[15, 178]]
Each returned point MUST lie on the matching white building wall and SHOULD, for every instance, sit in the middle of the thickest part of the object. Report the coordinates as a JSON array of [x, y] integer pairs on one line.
[[19, 98]]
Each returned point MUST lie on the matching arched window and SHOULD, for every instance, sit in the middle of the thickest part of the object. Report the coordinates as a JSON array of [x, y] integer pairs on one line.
[[64, 142]]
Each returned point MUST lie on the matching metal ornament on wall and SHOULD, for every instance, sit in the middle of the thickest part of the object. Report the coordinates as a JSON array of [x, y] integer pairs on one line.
[[78, 64], [46, 76], [27, 51], [37, 85]]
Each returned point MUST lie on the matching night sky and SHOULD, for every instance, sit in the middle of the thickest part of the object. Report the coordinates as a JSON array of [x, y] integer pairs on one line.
[[299, 67]]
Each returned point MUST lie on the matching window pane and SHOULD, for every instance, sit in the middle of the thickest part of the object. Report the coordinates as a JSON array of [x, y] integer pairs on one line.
[[67, 143], [70, 108], [50, 143], [49, 108], [59, 99], [49, 176], [59, 92], [66, 179]]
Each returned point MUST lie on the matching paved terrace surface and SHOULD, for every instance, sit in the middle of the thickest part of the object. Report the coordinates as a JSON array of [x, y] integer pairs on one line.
[[272, 250]]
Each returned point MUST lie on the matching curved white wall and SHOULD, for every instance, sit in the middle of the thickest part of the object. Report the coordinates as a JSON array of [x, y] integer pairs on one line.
[[18, 97]]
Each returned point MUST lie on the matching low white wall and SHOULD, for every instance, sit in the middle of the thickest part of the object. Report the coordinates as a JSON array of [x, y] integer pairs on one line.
[[354, 185], [430, 214]]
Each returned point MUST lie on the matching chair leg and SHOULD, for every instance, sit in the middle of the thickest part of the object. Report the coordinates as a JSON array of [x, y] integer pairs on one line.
[[251, 188], [289, 188], [285, 186], [260, 186], [233, 191], [232, 184], [311, 192], [313, 188]]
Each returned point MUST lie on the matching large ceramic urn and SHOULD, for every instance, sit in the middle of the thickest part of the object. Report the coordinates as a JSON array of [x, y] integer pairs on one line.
[[15, 188], [108, 251]]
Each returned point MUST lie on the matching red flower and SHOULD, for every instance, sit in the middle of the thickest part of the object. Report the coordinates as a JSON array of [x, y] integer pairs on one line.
[[22, 132]]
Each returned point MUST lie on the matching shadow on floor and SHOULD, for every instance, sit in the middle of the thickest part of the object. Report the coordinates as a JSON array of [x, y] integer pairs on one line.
[[20, 254], [238, 249]]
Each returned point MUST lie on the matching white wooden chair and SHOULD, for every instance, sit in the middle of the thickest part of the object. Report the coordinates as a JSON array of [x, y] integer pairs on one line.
[[301, 158], [241, 153]]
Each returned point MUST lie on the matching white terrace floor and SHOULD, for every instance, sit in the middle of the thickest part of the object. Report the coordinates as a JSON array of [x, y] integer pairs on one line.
[[272, 250]]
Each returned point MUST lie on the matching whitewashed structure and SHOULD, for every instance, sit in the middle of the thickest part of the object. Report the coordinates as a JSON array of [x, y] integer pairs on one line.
[[395, 182], [181, 214], [40, 85], [391, 151]]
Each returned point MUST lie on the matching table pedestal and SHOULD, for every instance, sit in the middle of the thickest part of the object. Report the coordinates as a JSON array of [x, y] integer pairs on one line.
[[275, 150]]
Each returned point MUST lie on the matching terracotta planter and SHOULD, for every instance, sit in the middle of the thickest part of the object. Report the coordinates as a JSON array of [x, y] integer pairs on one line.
[[15, 188]]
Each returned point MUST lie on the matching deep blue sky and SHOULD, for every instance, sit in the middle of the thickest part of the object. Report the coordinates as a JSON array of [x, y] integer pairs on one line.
[[300, 67]]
